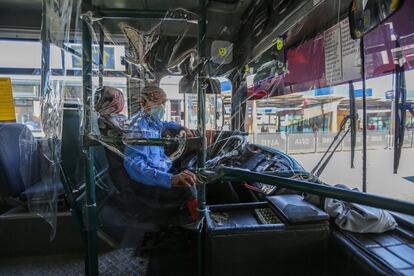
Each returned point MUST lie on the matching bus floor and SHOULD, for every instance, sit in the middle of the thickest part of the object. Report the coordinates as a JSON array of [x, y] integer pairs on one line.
[[116, 262]]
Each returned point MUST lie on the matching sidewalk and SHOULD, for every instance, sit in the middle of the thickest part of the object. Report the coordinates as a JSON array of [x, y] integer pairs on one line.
[[380, 178]]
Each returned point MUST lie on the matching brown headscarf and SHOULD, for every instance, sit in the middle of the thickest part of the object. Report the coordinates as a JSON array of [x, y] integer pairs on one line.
[[109, 100]]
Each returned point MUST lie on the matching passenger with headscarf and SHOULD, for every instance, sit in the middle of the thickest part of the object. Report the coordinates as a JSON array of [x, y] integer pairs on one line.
[[109, 103]]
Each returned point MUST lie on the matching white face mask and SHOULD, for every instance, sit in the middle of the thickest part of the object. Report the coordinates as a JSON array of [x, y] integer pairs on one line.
[[158, 111]]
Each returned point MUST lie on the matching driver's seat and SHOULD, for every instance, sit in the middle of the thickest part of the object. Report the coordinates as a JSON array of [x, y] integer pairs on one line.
[[146, 203]]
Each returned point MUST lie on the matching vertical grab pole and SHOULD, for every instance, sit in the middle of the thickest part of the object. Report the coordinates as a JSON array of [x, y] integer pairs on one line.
[[215, 109], [201, 115], [201, 127], [364, 119], [91, 260], [101, 54], [44, 78]]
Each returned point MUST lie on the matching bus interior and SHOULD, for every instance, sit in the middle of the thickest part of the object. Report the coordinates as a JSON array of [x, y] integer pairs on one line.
[[280, 144]]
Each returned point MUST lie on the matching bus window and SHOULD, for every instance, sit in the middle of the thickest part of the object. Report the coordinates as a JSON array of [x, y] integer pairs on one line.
[[27, 103], [303, 112], [182, 108]]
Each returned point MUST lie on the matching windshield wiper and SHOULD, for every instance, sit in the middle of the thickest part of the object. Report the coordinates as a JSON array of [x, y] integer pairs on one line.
[[353, 116], [337, 140], [401, 107]]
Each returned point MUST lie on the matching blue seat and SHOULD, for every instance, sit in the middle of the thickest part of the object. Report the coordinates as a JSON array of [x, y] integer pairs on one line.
[[72, 159], [21, 178]]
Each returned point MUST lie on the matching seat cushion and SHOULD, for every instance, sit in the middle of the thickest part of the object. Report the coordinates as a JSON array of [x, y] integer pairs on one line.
[[43, 190], [18, 158]]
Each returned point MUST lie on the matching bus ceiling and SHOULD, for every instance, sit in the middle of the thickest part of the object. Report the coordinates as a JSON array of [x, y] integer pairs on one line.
[[263, 20], [227, 20]]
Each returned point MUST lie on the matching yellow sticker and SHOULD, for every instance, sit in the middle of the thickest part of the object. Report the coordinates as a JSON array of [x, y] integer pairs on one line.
[[279, 44], [7, 112], [222, 51], [394, 5]]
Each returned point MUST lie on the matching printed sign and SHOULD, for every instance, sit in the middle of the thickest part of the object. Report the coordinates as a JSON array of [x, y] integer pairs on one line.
[[342, 57], [7, 112], [358, 92], [351, 58], [323, 91], [389, 95], [109, 57], [333, 56]]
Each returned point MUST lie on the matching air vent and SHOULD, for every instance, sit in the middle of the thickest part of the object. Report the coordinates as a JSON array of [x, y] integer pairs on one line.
[[227, 1], [260, 20], [280, 6]]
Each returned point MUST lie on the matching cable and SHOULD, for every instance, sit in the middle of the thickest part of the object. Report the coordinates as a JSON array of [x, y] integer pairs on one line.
[[321, 165]]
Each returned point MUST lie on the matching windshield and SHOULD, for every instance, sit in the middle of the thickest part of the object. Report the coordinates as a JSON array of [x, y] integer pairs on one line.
[[302, 112]]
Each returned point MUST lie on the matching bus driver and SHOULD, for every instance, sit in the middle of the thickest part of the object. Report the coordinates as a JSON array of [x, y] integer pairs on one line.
[[150, 165]]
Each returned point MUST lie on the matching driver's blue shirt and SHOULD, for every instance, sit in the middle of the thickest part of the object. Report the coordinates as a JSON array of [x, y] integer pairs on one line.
[[148, 165]]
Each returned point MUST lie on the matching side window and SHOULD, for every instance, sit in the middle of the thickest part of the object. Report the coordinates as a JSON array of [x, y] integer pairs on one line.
[[27, 103], [20, 60]]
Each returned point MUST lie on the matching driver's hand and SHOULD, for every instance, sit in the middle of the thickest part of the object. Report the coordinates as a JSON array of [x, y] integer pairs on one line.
[[189, 132], [183, 179]]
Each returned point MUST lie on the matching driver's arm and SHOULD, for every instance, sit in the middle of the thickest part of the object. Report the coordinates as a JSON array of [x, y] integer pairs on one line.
[[136, 165], [175, 126], [138, 170], [171, 125], [136, 161]]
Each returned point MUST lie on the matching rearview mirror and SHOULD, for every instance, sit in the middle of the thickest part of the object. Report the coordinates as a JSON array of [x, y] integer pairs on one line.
[[364, 15]]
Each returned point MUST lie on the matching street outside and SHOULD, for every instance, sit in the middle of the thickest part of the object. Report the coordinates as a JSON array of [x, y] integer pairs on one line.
[[380, 177]]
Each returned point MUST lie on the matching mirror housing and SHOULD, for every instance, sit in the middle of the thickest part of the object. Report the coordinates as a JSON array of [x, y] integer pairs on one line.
[[364, 15], [188, 85]]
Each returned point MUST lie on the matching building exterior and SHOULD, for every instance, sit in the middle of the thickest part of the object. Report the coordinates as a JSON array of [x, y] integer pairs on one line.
[[21, 61]]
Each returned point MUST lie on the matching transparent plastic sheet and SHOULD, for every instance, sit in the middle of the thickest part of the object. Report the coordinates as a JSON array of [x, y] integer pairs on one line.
[[119, 115], [57, 20], [151, 52], [40, 158], [142, 184], [43, 195], [144, 176], [124, 118]]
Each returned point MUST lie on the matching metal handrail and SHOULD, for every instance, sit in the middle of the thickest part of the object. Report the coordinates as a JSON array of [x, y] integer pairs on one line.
[[142, 141], [321, 190]]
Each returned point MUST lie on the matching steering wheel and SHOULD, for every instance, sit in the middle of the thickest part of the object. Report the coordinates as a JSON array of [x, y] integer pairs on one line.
[[182, 146], [229, 147]]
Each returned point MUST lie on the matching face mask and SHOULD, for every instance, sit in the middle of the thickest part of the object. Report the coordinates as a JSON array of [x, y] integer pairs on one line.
[[157, 112]]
